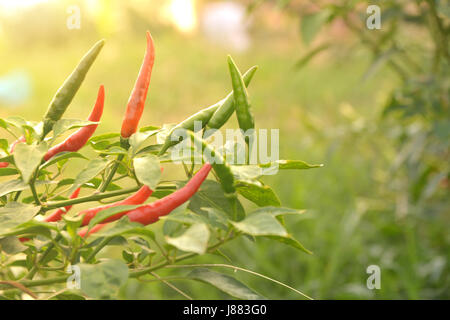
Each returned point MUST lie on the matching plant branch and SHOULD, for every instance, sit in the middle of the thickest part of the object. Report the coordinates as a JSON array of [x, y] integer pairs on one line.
[[241, 269], [111, 174], [97, 249]]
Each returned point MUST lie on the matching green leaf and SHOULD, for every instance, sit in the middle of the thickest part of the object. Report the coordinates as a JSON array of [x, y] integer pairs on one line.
[[4, 145], [211, 195], [246, 172], [9, 159], [121, 227], [290, 242], [194, 239], [28, 157], [217, 218], [14, 214], [103, 214], [17, 185], [93, 168], [261, 195], [11, 245], [312, 23], [288, 164], [103, 280], [185, 216], [262, 224], [148, 170], [105, 136], [64, 125], [33, 227], [62, 156], [8, 172], [68, 295], [138, 138], [225, 283], [114, 150], [277, 211], [3, 124]]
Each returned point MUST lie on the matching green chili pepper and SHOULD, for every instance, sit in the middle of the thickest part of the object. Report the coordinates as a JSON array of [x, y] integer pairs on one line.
[[69, 88], [219, 165], [224, 112], [218, 113], [202, 116], [242, 103]]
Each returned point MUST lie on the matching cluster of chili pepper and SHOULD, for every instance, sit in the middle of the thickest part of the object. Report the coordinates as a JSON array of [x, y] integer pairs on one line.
[[151, 213], [213, 117], [145, 214]]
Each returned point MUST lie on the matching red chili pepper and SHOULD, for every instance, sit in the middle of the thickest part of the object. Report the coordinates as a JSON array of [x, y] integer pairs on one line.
[[56, 216], [150, 213], [138, 198], [78, 139], [11, 150], [136, 102]]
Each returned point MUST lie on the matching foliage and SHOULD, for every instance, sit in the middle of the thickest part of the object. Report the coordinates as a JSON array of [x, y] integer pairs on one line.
[[35, 255]]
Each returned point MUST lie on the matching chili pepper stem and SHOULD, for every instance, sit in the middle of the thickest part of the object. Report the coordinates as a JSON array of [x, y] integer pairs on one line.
[[96, 197], [33, 190], [33, 270], [17, 195], [111, 174], [97, 249]]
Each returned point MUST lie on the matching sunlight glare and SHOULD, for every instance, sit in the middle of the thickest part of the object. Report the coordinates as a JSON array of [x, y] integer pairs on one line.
[[182, 14]]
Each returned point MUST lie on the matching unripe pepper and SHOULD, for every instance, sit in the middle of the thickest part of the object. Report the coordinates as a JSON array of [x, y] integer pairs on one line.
[[136, 102], [78, 139], [151, 213], [69, 88], [241, 101], [213, 117], [224, 112]]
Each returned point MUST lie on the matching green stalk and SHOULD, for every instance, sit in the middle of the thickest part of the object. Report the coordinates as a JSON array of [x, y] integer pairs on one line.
[[111, 174], [98, 196]]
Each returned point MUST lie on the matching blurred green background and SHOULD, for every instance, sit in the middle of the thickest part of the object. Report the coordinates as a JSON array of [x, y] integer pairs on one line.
[[373, 203]]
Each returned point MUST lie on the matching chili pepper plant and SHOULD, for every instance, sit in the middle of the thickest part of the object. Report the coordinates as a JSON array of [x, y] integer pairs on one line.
[[50, 249]]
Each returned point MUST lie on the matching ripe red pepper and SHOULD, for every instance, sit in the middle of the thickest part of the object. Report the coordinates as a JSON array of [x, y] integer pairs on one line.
[[150, 213], [11, 150], [78, 139], [136, 102], [56, 216], [138, 198]]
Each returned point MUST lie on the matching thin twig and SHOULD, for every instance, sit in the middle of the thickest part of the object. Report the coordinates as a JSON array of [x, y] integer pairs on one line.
[[21, 287], [241, 269], [171, 286]]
